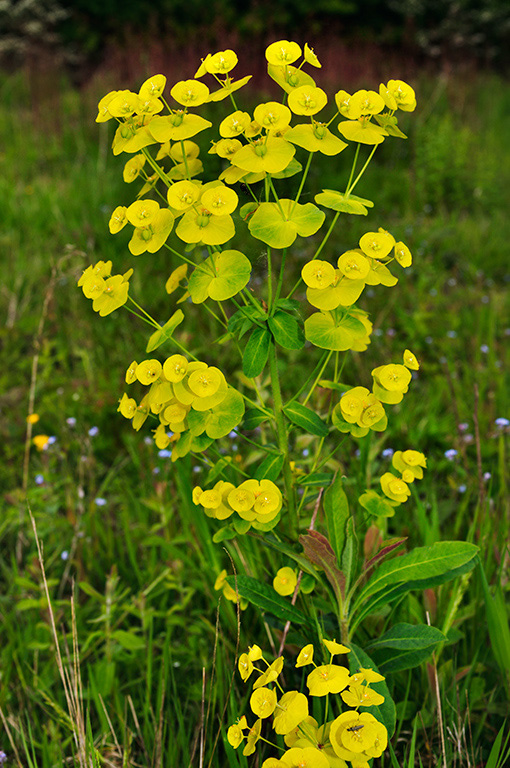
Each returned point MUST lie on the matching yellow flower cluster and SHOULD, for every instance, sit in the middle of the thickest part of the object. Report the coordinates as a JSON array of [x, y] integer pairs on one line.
[[186, 397], [352, 737], [360, 410], [256, 502], [108, 292], [410, 464], [329, 288]]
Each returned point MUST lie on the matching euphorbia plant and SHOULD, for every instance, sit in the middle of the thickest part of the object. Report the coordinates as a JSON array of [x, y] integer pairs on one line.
[[211, 243]]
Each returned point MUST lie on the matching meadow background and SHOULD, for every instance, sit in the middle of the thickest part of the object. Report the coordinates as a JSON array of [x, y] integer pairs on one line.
[[125, 550]]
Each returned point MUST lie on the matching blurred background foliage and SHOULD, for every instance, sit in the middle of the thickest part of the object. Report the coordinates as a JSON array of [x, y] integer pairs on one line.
[[82, 33]]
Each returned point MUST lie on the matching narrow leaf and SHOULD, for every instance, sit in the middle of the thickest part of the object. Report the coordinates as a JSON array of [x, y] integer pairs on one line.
[[165, 332], [256, 352], [286, 330], [305, 418], [336, 510], [270, 468], [265, 598]]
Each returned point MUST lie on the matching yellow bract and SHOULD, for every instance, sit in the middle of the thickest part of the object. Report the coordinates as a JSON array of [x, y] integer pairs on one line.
[[285, 581], [328, 678], [272, 116], [318, 274], [394, 488], [220, 63], [377, 244], [234, 125], [307, 100], [403, 254], [305, 656], [153, 87], [183, 194], [366, 103], [353, 265], [118, 219], [219, 200], [292, 709], [263, 702], [310, 57], [282, 52], [132, 168], [190, 93]]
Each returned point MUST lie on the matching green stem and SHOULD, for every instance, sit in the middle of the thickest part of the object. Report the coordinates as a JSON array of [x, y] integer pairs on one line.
[[283, 440], [185, 160], [280, 279], [269, 282], [360, 174], [353, 168], [141, 309], [303, 179], [317, 379]]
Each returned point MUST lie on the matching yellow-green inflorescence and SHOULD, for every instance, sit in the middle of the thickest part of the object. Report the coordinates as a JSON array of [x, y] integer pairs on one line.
[[192, 401], [257, 503], [348, 740]]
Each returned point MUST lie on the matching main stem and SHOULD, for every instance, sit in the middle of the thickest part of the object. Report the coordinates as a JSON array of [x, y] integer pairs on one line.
[[283, 440]]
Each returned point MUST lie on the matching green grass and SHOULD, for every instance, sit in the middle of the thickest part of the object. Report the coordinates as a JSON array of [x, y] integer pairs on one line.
[[140, 570]]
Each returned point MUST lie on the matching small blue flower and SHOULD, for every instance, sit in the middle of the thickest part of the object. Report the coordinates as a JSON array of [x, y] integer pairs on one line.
[[502, 422], [156, 471], [487, 476], [388, 453], [484, 348], [450, 454], [305, 452], [462, 489], [93, 431], [451, 334], [52, 440], [232, 434], [462, 427], [64, 555], [99, 502], [39, 479], [71, 421], [3, 757], [164, 454], [147, 440], [197, 469]]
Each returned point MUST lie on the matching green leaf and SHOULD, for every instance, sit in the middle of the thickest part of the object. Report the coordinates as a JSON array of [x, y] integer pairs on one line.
[[165, 332], [328, 331], [398, 660], [289, 304], [219, 277], [265, 598], [270, 468], [286, 330], [253, 418], [320, 479], [128, 640], [305, 418], [225, 416], [497, 624], [405, 646], [336, 511], [331, 198], [278, 225], [408, 637], [422, 563], [388, 595], [256, 352], [278, 546], [385, 712], [224, 534], [376, 505], [217, 468]]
